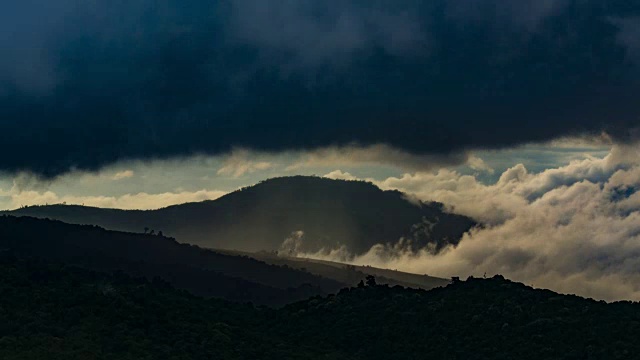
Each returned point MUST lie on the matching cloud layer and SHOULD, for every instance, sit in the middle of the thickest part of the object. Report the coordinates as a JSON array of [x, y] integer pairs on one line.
[[85, 84], [574, 229], [138, 201]]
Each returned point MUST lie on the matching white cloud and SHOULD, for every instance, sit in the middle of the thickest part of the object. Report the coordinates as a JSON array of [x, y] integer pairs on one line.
[[574, 229], [240, 162], [340, 175], [478, 164], [125, 174], [141, 200]]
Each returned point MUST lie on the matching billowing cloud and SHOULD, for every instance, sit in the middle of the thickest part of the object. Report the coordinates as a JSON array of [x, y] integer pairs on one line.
[[84, 84], [340, 175], [239, 163], [125, 174], [516, 187], [478, 164], [574, 229]]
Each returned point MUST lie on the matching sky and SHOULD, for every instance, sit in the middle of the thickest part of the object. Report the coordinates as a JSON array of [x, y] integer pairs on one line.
[[521, 114], [144, 184], [86, 84]]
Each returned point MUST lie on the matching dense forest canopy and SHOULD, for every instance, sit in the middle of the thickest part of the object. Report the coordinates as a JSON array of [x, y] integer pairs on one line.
[[55, 311]]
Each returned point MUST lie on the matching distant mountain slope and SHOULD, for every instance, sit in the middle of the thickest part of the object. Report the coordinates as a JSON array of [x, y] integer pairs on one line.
[[197, 270], [53, 311], [348, 274], [329, 212]]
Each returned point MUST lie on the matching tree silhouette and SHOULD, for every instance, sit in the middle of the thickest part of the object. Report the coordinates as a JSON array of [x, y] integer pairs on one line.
[[371, 280]]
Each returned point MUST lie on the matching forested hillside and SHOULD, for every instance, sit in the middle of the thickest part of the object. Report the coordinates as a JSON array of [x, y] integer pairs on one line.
[[201, 271], [330, 213], [54, 311]]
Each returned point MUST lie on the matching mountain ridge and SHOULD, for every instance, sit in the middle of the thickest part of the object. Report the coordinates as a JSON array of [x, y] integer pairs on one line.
[[200, 271], [230, 275], [329, 212], [65, 312]]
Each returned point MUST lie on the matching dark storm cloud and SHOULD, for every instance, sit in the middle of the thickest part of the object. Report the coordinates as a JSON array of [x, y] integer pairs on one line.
[[86, 83], [629, 36]]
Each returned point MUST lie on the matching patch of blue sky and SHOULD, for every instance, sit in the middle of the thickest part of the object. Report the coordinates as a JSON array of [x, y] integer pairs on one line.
[[536, 158]]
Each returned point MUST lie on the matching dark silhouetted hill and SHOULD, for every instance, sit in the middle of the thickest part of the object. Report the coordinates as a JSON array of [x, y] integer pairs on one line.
[[330, 213], [201, 271], [53, 311]]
